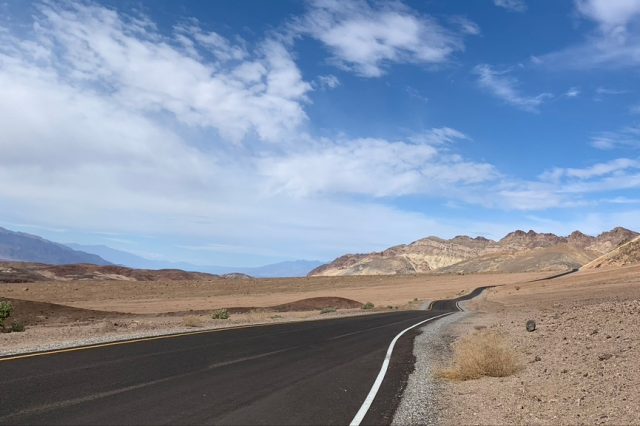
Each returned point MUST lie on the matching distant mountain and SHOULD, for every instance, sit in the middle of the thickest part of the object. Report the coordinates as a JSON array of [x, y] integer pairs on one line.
[[518, 251], [294, 268], [124, 258], [22, 247]]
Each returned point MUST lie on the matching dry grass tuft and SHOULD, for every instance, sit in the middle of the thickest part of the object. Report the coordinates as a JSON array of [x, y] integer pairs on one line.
[[192, 321], [483, 353]]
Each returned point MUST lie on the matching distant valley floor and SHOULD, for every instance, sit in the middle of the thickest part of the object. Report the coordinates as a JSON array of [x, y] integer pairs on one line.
[[63, 313]]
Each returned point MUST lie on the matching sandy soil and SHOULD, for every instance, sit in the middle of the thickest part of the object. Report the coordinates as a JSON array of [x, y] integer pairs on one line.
[[171, 296], [67, 313], [579, 367]]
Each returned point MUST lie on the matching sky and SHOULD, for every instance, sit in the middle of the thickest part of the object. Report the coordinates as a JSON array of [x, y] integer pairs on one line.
[[243, 133]]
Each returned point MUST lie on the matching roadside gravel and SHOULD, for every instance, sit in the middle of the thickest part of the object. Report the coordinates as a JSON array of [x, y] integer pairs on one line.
[[419, 405]]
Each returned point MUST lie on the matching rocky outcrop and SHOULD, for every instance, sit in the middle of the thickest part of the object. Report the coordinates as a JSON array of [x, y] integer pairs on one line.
[[626, 254], [520, 240], [610, 240]]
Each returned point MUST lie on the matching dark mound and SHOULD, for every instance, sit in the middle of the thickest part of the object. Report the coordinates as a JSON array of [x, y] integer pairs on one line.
[[315, 303], [31, 313], [310, 304]]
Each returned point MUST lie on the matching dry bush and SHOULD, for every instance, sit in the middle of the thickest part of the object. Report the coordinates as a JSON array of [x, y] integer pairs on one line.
[[483, 353], [192, 321]]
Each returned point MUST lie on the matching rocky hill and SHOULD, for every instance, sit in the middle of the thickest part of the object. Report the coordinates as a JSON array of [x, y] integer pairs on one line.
[[624, 255], [423, 255], [518, 251], [22, 247]]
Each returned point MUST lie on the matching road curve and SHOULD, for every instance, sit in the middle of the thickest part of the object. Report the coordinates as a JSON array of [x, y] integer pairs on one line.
[[316, 372]]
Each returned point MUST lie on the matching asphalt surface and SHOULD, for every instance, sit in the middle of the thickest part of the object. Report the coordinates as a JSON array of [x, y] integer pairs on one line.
[[316, 372]]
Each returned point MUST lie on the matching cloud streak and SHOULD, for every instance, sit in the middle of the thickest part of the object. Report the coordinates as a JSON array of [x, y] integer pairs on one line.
[[505, 87]]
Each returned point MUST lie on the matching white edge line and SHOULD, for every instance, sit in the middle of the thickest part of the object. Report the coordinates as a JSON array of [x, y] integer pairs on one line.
[[383, 371]]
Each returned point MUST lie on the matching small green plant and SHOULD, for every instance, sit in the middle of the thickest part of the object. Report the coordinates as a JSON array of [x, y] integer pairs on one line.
[[328, 309], [220, 314], [6, 309], [17, 327], [368, 305]]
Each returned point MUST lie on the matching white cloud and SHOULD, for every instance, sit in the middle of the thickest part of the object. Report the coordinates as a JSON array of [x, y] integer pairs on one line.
[[238, 93], [572, 92], [366, 39], [465, 25], [613, 167], [612, 15], [328, 81], [607, 91], [504, 87], [615, 42], [512, 5], [439, 135], [376, 167]]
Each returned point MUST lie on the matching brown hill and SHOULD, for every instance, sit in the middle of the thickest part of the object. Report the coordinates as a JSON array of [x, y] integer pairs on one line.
[[32, 272], [518, 251], [624, 255]]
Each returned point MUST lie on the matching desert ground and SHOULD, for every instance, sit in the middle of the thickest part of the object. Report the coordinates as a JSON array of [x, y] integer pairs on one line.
[[580, 366], [66, 313]]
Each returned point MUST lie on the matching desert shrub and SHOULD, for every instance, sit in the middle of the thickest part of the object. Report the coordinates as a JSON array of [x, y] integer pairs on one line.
[[220, 314], [328, 309], [6, 309], [480, 354], [368, 305], [192, 321], [17, 327]]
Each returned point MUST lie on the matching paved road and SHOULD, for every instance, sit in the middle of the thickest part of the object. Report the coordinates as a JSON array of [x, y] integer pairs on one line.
[[316, 372]]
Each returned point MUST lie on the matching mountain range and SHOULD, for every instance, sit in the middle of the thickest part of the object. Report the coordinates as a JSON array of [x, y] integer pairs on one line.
[[23, 247], [518, 251]]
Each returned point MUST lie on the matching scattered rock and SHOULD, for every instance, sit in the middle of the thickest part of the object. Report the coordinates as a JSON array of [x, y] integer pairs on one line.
[[604, 356], [531, 326]]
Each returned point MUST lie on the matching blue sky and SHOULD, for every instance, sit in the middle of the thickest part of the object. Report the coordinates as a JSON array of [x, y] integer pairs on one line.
[[244, 133]]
